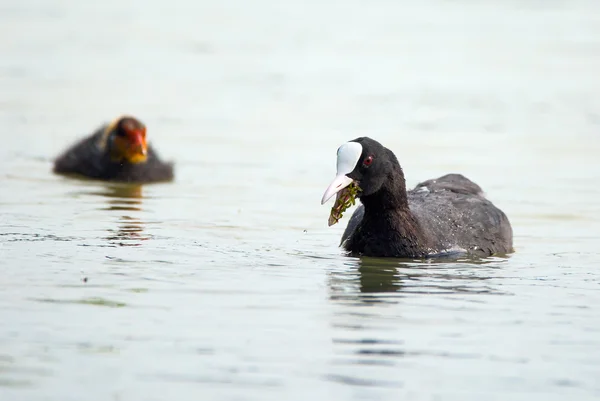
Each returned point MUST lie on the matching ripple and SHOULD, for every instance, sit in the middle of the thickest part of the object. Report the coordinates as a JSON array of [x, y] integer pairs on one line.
[[27, 237], [362, 382], [226, 379], [365, 341], [7, 382], [86, 301]]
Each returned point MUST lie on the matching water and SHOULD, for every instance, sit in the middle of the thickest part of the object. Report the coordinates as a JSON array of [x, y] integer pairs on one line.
[[227, 284]]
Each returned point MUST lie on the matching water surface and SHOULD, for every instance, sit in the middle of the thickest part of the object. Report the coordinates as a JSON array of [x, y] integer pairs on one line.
[[227, 284]]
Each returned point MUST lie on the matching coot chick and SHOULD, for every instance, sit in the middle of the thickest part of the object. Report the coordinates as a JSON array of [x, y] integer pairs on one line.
[[115, 152], [443, 216]]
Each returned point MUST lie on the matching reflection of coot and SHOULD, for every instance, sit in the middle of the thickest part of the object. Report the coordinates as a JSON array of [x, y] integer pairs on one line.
[[130, 232], [378, 277], [115, 152], [372, 281], [448, 214], [125, 197], [383, 280]]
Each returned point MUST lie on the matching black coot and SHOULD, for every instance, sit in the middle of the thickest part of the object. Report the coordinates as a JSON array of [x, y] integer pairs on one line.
[[447, 215], [115, 152]]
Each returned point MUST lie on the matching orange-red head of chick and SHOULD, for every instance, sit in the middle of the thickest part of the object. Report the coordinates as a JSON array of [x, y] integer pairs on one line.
[[127, 137]]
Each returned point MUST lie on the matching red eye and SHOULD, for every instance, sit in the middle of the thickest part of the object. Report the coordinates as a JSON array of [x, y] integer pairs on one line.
[[368, 161]]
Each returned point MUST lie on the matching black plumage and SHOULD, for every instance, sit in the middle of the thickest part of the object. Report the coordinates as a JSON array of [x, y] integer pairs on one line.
[[96, 157], [446, 215]]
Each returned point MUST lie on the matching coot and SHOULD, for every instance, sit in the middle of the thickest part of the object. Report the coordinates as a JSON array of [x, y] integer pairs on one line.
[[447, 215], [115, 152]]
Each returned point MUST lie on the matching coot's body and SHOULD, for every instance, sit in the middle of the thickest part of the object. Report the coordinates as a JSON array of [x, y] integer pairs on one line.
[[446, 215], [115, 152]]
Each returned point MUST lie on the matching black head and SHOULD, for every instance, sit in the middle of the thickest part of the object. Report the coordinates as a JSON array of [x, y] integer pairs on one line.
[[374, 169], [363, 161], [373, 166]]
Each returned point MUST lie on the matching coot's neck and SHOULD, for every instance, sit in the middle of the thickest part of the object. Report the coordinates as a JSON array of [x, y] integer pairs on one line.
[[388, 227], [391, 196]]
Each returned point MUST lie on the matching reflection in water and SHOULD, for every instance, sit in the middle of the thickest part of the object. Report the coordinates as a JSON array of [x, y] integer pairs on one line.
[[365, 281], [363, 335], [129, 233], [125, 197], [384, 280]]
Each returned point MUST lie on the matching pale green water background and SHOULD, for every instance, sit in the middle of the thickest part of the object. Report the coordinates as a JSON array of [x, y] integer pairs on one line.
[[227, 284]]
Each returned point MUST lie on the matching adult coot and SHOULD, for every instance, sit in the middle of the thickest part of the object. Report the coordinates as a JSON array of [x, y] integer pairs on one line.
[[115, 152], [447, 215]]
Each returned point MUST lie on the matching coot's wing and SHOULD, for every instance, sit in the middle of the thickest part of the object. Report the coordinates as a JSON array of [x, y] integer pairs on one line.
[[153, 170], [456, 183], [482, 226], [453, 218], [454, 213], [84, 157], [451, 182]]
